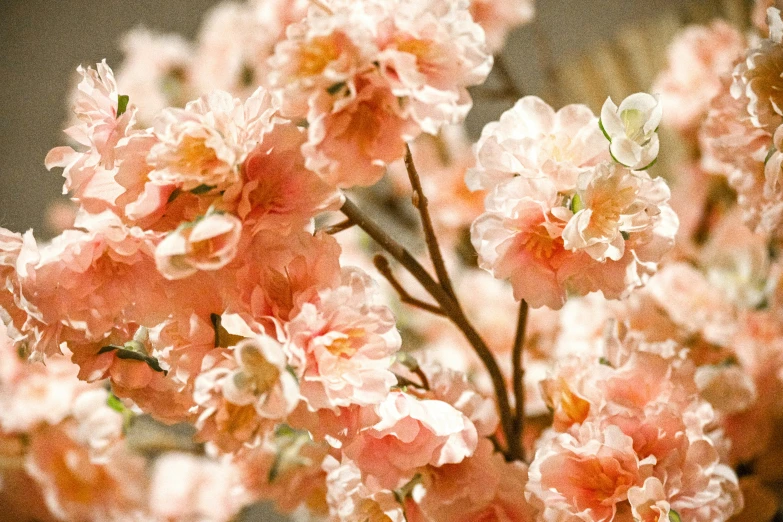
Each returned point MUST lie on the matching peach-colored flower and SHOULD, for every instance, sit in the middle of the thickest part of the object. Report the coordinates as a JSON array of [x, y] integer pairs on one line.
[[498, 18], [531, 137], [74, 487], [733, 147], [727, 388], [693, 303], [351, 138], [481, 487], [351, 500], [408, 434], [208, 243], [279, 193], [430, 51], [611, 204], [187, 487], [698, 58], [648, 502], [204, 145], [585, 475], [342, 345], [757, 78], [261, 378], [519, 238], [155, 71]]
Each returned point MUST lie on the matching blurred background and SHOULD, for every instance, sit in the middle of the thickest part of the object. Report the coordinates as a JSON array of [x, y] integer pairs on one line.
[[571, 52]]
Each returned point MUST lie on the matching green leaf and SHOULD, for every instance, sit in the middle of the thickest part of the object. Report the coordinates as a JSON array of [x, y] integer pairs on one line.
[[122, 104], [604, 361], [674, 516], [115, 404], [335, 88], [625, 235], [174, 195], [202, 189]]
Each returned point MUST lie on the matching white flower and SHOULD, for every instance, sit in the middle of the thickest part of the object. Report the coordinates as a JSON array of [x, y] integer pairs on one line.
[[630, 129]]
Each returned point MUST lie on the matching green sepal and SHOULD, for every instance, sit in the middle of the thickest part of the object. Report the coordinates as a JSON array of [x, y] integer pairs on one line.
[[653, 162], [772, 151], [604, 361], [625, 235], [335, 88], [576, 204], [123, 353], [174, 195], [674, 516], [116, 404], [122, 104], [202, 189], [108, 348], [606, 134]]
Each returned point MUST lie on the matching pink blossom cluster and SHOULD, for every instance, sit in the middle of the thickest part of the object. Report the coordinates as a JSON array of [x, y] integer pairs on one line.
[[562, 216], [206, 283]]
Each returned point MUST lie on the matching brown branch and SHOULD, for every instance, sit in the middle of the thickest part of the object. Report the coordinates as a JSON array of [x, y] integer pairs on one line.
[[515, 448], [421, 203], [382, 264], [448, 304], [339, 227]]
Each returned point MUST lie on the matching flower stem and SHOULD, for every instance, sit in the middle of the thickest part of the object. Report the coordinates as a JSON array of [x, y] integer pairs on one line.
[[515, 447], [448, 304], [421, 203]]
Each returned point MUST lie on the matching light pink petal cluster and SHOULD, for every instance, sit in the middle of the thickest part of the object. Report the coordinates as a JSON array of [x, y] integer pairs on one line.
[[342, 345]]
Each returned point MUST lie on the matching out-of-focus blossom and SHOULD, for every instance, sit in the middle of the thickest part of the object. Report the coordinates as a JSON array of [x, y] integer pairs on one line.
[[757, 79], [631, 129], [409, 434], [499, 18], [699, 57]]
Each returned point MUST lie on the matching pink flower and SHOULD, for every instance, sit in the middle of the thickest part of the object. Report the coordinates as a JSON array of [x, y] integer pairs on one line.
[[481, 487], [430, 51], [531, 137], [648, 502], [185, 486], [519, 238], [74, 487], [498, 18], [699, 57], [209, 243], [279, 193], [351, 500], [203, 145], [757, 78], [261, 378], [410, 433], [611, 204], [587, 474], [155, 71], [342, 345], [351, 138]]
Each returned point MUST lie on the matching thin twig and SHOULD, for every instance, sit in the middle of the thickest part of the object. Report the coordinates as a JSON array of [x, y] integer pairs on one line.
[[339, 227], [515, 448], [421, 203], [425, 383], [447, 303], [382, 264]]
